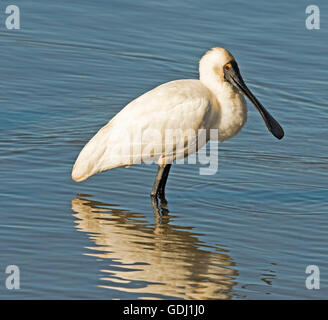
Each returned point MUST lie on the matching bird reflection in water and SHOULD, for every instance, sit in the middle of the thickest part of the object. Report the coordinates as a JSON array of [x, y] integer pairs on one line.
[[156, 260]]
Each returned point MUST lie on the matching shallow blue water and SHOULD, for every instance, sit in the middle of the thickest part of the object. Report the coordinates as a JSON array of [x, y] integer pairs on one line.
[[247, 232]]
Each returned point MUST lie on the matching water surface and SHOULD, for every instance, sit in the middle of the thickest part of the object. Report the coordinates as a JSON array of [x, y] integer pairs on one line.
[[247, 232]]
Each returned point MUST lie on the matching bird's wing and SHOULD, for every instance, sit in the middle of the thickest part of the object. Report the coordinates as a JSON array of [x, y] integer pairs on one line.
[[137, 133]]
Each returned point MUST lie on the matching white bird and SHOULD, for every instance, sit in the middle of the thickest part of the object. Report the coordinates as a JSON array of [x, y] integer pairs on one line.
[[139, 132]]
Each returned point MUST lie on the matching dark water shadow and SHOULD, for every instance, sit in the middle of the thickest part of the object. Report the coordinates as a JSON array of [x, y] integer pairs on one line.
[[156, 260]]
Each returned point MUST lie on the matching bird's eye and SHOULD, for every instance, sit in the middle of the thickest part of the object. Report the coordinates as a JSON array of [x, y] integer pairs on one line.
[[227, 66]]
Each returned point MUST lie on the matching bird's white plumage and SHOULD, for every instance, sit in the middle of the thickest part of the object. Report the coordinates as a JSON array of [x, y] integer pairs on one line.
[[137, 133]]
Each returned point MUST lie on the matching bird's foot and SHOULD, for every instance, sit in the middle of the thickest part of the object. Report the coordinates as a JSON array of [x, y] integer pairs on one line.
[[155, 198], [160, 194]]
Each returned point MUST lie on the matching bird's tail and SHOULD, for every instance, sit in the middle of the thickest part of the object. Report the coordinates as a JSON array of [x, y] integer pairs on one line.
[[82, 168], [79, 175], [90, 159]]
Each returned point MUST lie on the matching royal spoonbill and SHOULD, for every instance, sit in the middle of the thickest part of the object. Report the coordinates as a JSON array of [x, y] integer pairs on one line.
[[138, 133]]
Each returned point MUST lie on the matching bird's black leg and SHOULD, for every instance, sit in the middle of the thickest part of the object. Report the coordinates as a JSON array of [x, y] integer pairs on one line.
[[157, 182], [161, 191], [160, 181]]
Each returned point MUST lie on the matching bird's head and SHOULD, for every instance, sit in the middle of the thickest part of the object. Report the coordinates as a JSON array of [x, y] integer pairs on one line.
[[218, 67]]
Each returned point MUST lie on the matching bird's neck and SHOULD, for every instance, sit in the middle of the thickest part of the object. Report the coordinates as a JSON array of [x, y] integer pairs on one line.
[[231, 106], [222, 90], [213, 81]]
